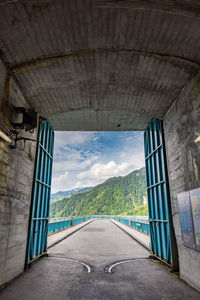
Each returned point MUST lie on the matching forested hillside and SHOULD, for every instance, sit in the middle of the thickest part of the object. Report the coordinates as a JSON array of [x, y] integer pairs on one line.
[[65, 194], [116, 196]]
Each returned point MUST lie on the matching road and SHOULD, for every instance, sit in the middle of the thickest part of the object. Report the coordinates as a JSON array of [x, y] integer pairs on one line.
[[88, 265]]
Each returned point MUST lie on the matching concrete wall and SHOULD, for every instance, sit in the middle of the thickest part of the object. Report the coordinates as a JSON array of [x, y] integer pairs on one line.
[[16, 174], [182, 126]]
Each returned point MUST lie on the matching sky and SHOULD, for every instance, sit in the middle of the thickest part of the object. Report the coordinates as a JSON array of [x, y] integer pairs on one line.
[[85, 159]]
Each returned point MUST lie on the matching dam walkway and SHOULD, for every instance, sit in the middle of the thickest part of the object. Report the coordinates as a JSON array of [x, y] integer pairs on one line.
[[99, 261]]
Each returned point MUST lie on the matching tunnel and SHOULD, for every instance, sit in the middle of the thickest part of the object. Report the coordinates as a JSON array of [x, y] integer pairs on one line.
[[100, 65]]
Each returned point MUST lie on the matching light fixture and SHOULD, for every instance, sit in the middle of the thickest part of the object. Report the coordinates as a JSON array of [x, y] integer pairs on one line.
[[23, 118], [13, 137], [197, 140], [5, 134]]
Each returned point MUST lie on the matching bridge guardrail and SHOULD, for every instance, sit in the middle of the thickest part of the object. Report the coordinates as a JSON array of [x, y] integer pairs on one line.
[[136, 222], [56, 225]]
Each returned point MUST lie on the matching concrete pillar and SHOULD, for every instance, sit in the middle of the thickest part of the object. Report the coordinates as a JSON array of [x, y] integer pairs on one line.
[[16, 177]]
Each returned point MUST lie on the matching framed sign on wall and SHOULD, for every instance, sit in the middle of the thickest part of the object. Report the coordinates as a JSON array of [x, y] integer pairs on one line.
[[189, 211], [187, 230], [195, 203]]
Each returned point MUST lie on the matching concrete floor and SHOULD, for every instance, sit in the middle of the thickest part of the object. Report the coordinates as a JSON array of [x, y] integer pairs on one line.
[[98, 244]]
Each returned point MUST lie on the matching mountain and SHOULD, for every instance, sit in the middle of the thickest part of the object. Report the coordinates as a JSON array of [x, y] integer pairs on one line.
[[117, 196], [64, 194]]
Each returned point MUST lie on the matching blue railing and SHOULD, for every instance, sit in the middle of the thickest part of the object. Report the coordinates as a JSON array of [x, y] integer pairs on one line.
[[54, 226], [144, 227], [60, 223], [139, 223], [122, 220], [136, 223]]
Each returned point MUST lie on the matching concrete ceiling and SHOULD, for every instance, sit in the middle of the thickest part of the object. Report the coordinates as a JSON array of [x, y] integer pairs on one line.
[[100, 65]]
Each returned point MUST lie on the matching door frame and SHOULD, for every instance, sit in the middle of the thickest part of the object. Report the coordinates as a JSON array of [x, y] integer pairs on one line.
[[163, 241], [41, 190]]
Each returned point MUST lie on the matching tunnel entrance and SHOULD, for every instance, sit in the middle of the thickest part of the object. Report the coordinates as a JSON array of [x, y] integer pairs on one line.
[[105, 65], [162, 236]]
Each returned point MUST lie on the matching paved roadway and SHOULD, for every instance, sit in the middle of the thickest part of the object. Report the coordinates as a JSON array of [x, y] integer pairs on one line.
[[63, 275]]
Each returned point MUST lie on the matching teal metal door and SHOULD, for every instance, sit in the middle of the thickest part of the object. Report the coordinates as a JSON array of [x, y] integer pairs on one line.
[[162, 235], [38, 227]]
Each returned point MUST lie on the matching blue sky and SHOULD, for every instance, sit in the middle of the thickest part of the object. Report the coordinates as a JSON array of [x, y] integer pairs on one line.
[[88, 158]]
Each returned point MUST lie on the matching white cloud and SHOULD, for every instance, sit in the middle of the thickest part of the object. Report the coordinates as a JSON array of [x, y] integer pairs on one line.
[[71, 165], [66, 155], [98, 173], [68, 162], [59, 182], [103, 171], [79, 184], [71, 138], [71, 160], [134, 157]]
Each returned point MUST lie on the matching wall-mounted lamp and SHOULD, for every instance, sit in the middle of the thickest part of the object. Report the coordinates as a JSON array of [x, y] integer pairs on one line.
[[197, 140], [12, 138], [23, 118], [5, 134]]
